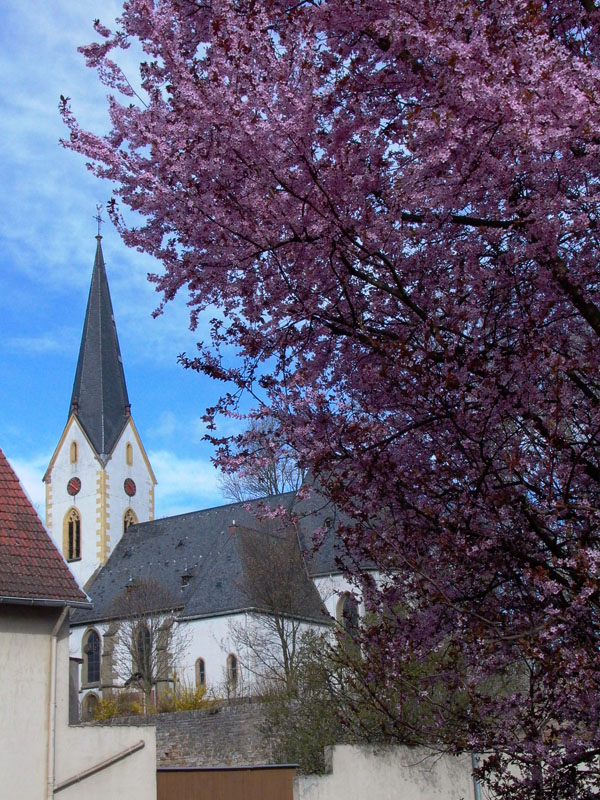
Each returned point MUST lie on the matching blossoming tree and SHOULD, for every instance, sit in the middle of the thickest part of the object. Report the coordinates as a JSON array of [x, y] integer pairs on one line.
[[395, 207]]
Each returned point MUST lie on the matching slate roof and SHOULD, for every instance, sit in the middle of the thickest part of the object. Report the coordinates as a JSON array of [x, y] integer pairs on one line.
[[32, 570], [206, 547], [99, 398]]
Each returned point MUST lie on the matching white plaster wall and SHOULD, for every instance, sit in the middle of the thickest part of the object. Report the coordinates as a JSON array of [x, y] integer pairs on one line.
[[25, 651], [133, 778], [330, 588], [76, 636], [24, 696], [389, 773], [117, 471], [203, 638], [210, 639], [86, 469], [81, 747]]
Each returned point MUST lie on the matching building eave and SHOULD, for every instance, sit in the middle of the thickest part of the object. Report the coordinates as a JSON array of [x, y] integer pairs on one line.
[[43, 601]]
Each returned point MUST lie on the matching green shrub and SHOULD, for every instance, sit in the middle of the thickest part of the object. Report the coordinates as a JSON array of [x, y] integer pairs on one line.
[[106, 709], [122, 705], [185, 697]]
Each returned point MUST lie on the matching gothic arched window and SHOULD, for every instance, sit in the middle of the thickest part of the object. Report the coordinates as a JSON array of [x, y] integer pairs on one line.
[[347, 613], [72, 535], [200, 672], [142, 655], [91, 657], [129, 518], [232, 670], [129, 454], [89, 706], [73, 452]]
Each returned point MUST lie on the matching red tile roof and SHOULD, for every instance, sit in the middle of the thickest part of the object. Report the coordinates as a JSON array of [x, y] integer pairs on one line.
[[31, 568]]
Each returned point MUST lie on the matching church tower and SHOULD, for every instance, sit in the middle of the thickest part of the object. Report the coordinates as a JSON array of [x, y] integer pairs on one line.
[[99, 480]]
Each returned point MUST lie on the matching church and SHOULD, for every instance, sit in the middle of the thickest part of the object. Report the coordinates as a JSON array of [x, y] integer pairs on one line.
[[212, 573]]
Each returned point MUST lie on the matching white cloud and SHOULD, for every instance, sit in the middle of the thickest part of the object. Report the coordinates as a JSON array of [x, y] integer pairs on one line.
[[184, 484], [166, 425], [35, 344]]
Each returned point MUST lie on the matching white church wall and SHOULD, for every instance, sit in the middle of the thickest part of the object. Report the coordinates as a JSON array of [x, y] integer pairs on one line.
[[214, 639], [76, 651], [210, 639], [202, 638], [87, 468], [118, 470], [102, 500], [331, 588]]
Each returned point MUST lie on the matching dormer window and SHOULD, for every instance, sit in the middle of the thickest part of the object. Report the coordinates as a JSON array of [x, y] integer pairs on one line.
[[129, 518]]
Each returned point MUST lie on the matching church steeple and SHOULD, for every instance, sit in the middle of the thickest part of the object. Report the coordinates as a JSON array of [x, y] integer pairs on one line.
[[99, 480], [99, 399]]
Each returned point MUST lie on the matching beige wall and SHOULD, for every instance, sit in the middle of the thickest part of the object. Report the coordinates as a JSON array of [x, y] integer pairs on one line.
[[388, 773], [25, 659]]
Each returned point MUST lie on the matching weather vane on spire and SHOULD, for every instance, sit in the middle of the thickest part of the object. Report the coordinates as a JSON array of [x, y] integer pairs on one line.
[[98, 217]]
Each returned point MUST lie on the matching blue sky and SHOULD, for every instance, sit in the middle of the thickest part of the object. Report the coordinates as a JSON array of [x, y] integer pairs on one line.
[[47, 245]]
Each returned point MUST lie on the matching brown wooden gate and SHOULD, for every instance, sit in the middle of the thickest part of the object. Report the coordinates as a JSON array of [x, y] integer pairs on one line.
[[226, 783]]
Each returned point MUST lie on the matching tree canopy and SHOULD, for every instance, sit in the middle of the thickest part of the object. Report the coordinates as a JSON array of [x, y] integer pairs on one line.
[[394, 206]]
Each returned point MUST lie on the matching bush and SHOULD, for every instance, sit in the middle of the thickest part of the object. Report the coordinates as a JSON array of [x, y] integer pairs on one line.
[[106, 709], [122, 705], [184, 697]]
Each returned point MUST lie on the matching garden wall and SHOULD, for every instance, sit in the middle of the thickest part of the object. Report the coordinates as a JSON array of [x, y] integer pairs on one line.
[[224, 735], [388, 773]]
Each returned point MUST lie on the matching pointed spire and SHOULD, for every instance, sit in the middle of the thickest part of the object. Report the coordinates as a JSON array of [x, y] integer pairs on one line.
[[99, 398]]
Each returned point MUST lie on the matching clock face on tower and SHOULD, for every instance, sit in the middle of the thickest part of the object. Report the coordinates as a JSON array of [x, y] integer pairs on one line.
[[73, 486], [129, 486]]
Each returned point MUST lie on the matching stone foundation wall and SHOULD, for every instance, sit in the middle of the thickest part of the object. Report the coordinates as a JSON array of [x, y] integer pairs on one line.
[[225, 735]]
